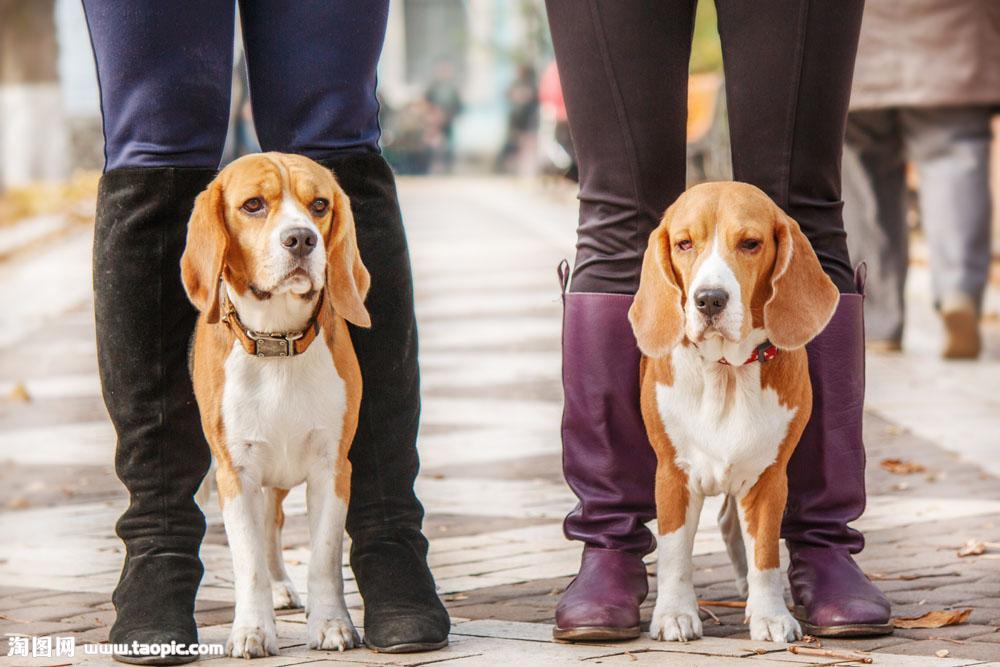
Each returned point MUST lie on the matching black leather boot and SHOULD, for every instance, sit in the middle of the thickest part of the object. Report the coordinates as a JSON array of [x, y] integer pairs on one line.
[[403, 612], [144, 325]]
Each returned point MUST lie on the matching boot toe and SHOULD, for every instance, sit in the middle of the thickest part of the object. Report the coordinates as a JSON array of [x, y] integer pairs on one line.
[[849, 611], [407, 634], [584, 613], [154, 636]]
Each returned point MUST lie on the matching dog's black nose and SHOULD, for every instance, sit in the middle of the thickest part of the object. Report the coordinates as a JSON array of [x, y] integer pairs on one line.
[[300, 241], [710, 301]]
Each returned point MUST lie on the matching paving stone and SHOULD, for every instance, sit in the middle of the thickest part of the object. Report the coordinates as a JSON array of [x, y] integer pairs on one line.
[[985, 611], [936, 597], [956, 632], [42, 628], [967, 650], [866, 644], [42, 613]]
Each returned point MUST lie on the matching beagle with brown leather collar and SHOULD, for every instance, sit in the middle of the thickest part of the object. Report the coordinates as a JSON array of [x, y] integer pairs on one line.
[[273, 265], [730, 293]]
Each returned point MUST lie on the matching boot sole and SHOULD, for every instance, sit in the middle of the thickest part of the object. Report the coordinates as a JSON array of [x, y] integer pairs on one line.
[[852, 630], [409, 647], [595, 634]]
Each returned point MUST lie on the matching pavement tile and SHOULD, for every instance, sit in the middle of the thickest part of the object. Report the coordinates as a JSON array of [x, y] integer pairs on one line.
[[967, 651], [954, 632]]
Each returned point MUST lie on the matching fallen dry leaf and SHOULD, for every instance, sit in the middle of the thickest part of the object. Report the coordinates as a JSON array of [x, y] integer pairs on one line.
[[943, 653], [18, 503], [972, 548], [902, 466], [938, 618], [19, 393]]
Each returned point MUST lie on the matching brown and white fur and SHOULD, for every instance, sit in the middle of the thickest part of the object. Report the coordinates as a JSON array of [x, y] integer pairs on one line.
[[274, 423], [726, 428]]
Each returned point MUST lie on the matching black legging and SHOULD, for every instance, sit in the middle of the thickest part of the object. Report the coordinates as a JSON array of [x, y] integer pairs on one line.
[[624, 69]]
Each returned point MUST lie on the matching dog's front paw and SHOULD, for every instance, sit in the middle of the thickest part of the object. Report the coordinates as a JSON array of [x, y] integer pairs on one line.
[[329, 634], [675, 625], [776, 625], [252, 642], [284, 595]]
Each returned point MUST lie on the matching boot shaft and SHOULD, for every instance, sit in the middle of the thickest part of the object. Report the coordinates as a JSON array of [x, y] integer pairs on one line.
[[144, 325], [826, 474], [607, 459]]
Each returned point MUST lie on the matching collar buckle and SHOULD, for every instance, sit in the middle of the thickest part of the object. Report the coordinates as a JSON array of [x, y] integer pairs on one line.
[[761, 354], [765, 352], [273, 344]]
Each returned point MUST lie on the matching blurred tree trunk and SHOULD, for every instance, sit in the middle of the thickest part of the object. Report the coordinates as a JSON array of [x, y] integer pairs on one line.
[[33, 135]]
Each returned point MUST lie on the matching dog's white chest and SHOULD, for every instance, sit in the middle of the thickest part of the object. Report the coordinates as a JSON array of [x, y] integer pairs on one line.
[[725, 427], [283, 416]]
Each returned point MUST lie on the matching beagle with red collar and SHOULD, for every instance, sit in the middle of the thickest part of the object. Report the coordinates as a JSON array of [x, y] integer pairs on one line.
[[730, 292], [272, 264]]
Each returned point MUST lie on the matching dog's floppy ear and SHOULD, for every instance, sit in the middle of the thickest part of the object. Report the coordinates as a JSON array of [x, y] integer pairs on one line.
[[207, 242], [347, 279], [656, 314], [803, 297]]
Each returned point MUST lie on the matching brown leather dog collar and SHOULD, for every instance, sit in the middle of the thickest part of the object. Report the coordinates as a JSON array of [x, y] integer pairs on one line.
[[271, 344]]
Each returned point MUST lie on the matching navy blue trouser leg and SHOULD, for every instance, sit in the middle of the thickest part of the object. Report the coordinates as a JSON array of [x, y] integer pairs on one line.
[[165, 73], [312, 74]]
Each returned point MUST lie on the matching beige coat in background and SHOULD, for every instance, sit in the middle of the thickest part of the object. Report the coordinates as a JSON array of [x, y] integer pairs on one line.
[[928, 53]]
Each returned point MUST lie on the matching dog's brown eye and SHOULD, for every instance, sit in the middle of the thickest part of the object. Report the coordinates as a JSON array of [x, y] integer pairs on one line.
[[319, 206], [253, 205], [684, 245], [749, 244]]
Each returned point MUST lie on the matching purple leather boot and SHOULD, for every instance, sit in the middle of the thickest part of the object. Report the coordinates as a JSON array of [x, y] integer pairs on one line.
[[610, 465], [826, 490]]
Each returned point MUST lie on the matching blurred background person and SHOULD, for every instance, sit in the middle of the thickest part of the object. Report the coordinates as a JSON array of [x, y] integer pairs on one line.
[[444, 96], [926, 84], [554, 136], [522, 119], [411, 136]]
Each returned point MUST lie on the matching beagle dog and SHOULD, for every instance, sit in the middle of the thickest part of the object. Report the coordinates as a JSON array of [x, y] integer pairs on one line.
[[272, 264], [730, 292]]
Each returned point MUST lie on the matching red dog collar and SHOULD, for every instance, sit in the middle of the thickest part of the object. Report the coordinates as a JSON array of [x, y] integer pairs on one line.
[[763, 352]]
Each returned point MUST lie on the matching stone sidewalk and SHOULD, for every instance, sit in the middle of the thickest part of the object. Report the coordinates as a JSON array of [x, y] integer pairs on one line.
[[484, 253]]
